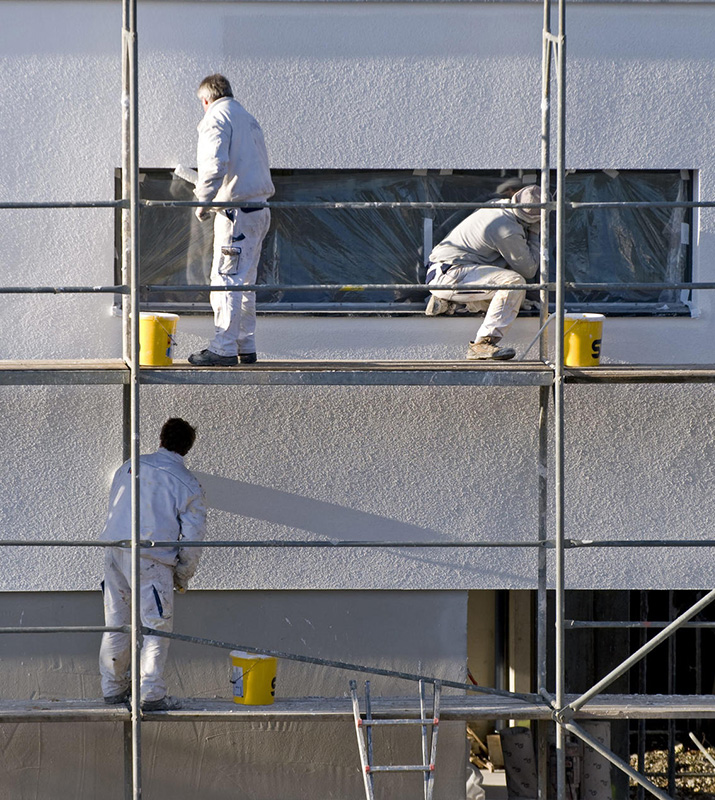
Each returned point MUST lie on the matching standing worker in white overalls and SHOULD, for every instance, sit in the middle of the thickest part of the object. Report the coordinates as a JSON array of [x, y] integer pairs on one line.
[[232, 164], [172, 508]]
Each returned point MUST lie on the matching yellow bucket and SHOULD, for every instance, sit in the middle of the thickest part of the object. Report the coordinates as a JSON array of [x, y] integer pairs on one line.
[[157, 334], [582, 339], [253, 678]]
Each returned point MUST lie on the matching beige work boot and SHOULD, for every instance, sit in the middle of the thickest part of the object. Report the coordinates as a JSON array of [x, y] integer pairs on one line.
[[487, 348]]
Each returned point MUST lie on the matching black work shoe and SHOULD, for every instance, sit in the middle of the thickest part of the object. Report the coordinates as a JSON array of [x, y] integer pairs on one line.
[[207, 358], [248, 358], [487, 349], [118, 699], [166, 703]]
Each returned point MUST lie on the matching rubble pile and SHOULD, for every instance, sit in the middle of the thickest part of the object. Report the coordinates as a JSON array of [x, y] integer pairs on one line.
[[686, 761]]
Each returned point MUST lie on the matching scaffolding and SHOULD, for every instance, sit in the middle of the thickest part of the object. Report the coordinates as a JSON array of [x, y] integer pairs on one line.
[[564, 711]]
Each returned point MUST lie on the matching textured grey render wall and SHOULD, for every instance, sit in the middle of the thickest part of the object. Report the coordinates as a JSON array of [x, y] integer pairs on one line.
[[392, 463], [352, 85], [261, 760]]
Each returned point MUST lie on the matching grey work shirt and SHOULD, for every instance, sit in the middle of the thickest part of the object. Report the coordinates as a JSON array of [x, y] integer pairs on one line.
[[491, 237]]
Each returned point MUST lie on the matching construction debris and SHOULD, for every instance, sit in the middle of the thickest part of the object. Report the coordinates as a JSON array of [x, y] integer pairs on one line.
[[485, 756], [689, 765]]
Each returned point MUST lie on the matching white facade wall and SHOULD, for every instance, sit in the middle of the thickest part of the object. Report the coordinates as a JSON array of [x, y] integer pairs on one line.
[[351, 85]]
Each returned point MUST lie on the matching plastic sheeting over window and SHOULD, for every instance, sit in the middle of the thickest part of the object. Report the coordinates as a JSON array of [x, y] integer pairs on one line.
[[360, 246], [628, 245]]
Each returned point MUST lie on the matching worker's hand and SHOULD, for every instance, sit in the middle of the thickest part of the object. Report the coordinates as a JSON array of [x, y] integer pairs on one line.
[[202, 214], [179, 585]]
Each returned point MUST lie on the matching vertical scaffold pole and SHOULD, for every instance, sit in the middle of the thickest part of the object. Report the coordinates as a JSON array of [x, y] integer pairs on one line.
[[559, 395], [128, 761], [545, 172], [130, 317], [544, 396], [125, 238]]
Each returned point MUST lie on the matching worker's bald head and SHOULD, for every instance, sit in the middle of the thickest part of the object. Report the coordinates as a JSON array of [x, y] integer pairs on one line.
[[177, 435]]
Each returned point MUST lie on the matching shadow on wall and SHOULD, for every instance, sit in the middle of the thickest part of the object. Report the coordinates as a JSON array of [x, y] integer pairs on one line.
[[330, 520]]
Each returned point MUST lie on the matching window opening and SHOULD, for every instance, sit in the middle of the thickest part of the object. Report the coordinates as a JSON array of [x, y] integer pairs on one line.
[[356, 246]]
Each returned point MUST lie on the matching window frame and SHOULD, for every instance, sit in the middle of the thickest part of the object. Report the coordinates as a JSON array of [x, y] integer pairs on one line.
[[413, 305]]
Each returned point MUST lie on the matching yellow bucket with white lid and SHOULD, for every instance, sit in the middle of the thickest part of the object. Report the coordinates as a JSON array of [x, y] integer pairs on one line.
[[583, 334], [253, 677], [157, 336]]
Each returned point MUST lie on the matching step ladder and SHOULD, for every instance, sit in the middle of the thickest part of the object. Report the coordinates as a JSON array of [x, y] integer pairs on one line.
[[430, 726]]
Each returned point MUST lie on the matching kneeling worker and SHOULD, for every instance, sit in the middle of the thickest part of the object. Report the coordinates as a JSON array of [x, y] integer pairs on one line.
[[171, 509], [493, 245]]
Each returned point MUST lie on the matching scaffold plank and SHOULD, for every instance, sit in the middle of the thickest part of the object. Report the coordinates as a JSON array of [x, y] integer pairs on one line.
[[63, 373], [358, 373], [642, 373], [453, 708], [284, 373], [346, 373], [56, 710]]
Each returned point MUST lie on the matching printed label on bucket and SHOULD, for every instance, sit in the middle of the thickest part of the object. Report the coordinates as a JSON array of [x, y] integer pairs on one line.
[[237, 681]]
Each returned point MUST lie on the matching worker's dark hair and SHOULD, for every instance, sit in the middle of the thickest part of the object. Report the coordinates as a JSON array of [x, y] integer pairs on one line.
[[213, 87], [177, 435]]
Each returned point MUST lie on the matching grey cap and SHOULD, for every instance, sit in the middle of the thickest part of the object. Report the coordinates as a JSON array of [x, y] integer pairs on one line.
[[529, 194]]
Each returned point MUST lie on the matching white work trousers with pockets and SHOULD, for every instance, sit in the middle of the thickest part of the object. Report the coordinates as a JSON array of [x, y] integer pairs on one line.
[[504, 306], [157, 611], [238, 236]]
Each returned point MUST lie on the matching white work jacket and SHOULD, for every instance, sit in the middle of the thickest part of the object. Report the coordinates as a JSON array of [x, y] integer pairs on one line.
[[491, 237], [172, 508], [231, 155]]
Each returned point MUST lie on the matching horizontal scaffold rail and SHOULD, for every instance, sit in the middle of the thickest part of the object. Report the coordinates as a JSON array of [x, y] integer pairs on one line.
[[339, 205], [452, 708], [271, 543], [547, 544], [426, 205], [69, 629], [157, 288], [11, 206], [583, 623]]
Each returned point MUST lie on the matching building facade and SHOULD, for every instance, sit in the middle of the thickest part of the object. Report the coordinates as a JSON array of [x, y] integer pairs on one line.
[[340, 86]]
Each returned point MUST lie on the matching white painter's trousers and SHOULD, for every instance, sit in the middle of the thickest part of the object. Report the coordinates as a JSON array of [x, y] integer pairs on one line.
[[504, 306], [238, 236], [157, 611]]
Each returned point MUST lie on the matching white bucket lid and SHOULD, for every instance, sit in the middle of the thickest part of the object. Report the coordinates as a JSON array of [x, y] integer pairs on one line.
[[588, 317], [156, 315], [247, 655]]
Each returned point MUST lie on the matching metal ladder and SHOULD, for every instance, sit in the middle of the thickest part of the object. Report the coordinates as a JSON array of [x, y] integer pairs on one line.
[[430, 728]]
